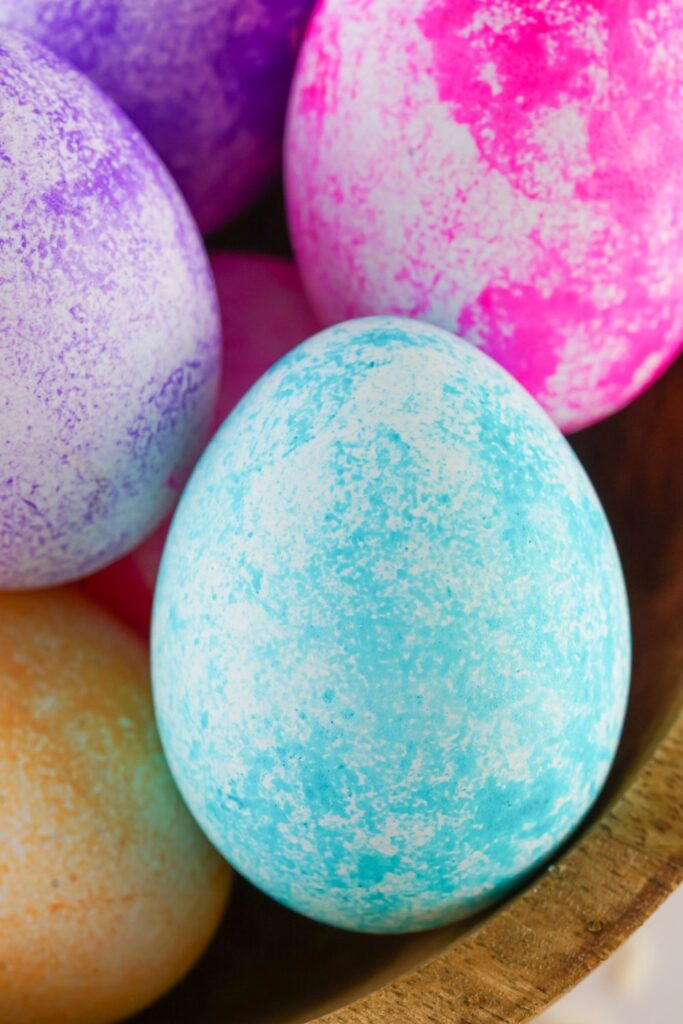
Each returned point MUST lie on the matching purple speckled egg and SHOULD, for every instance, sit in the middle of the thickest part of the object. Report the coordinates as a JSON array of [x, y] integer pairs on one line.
[[264, 313], [206, 81], [109, 327]]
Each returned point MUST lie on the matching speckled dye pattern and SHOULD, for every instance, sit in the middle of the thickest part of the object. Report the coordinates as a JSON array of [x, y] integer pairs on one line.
[[108, 890], [390, 639], [205, 80], [509, 169], [109, 327], [264, 313]]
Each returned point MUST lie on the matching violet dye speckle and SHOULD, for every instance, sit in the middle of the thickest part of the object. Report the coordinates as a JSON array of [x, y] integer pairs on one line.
[[109, 327], [264, 313], [206, 81]]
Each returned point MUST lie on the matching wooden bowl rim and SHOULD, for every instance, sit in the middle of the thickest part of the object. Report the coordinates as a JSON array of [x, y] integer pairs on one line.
[[505, 969]]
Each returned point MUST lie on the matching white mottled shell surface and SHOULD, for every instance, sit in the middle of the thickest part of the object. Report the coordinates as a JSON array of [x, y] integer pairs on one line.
[[205, 81], [109, 327], [390, 642], [511, 170]]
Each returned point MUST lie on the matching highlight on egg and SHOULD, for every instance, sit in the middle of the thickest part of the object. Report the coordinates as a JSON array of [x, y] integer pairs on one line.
[[108, 890], [206, 81], [511, 170], [390, 642], [264, 313], [109, 335]]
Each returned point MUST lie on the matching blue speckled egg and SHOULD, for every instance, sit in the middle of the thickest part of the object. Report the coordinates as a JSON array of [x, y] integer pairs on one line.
[[391, 645]]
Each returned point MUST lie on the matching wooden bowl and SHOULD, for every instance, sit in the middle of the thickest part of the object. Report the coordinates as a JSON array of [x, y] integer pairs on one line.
[[270, 965]]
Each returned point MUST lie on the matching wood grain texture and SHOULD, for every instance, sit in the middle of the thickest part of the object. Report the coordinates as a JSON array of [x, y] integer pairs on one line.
[[270, 966]]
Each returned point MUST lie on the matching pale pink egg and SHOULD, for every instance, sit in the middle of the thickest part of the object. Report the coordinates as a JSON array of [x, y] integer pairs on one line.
[[264, 314], [509, 169]]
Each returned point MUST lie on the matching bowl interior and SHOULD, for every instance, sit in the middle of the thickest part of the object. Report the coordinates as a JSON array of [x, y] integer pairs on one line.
[[268, 964]]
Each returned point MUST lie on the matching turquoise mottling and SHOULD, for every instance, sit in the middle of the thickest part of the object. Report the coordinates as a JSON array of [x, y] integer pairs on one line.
[[391, 646]]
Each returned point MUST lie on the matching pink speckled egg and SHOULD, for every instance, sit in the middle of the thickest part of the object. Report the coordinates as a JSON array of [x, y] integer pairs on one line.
[[264, 313], [509, 169]]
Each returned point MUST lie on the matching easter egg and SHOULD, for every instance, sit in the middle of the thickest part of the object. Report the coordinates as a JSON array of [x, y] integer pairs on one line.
[[511, 170], [206, 81], [109, 333], [390, 643], [264, 313], [108, 890]]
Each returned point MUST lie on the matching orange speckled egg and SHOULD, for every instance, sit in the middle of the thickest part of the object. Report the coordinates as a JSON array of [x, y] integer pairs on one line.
[[108, 890]]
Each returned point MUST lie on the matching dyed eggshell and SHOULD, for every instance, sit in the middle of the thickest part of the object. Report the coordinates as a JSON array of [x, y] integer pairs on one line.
[[390, 643], [509, 169], [206, 81], [108, 890], [126, 587], [109, 333], [264, 313]]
